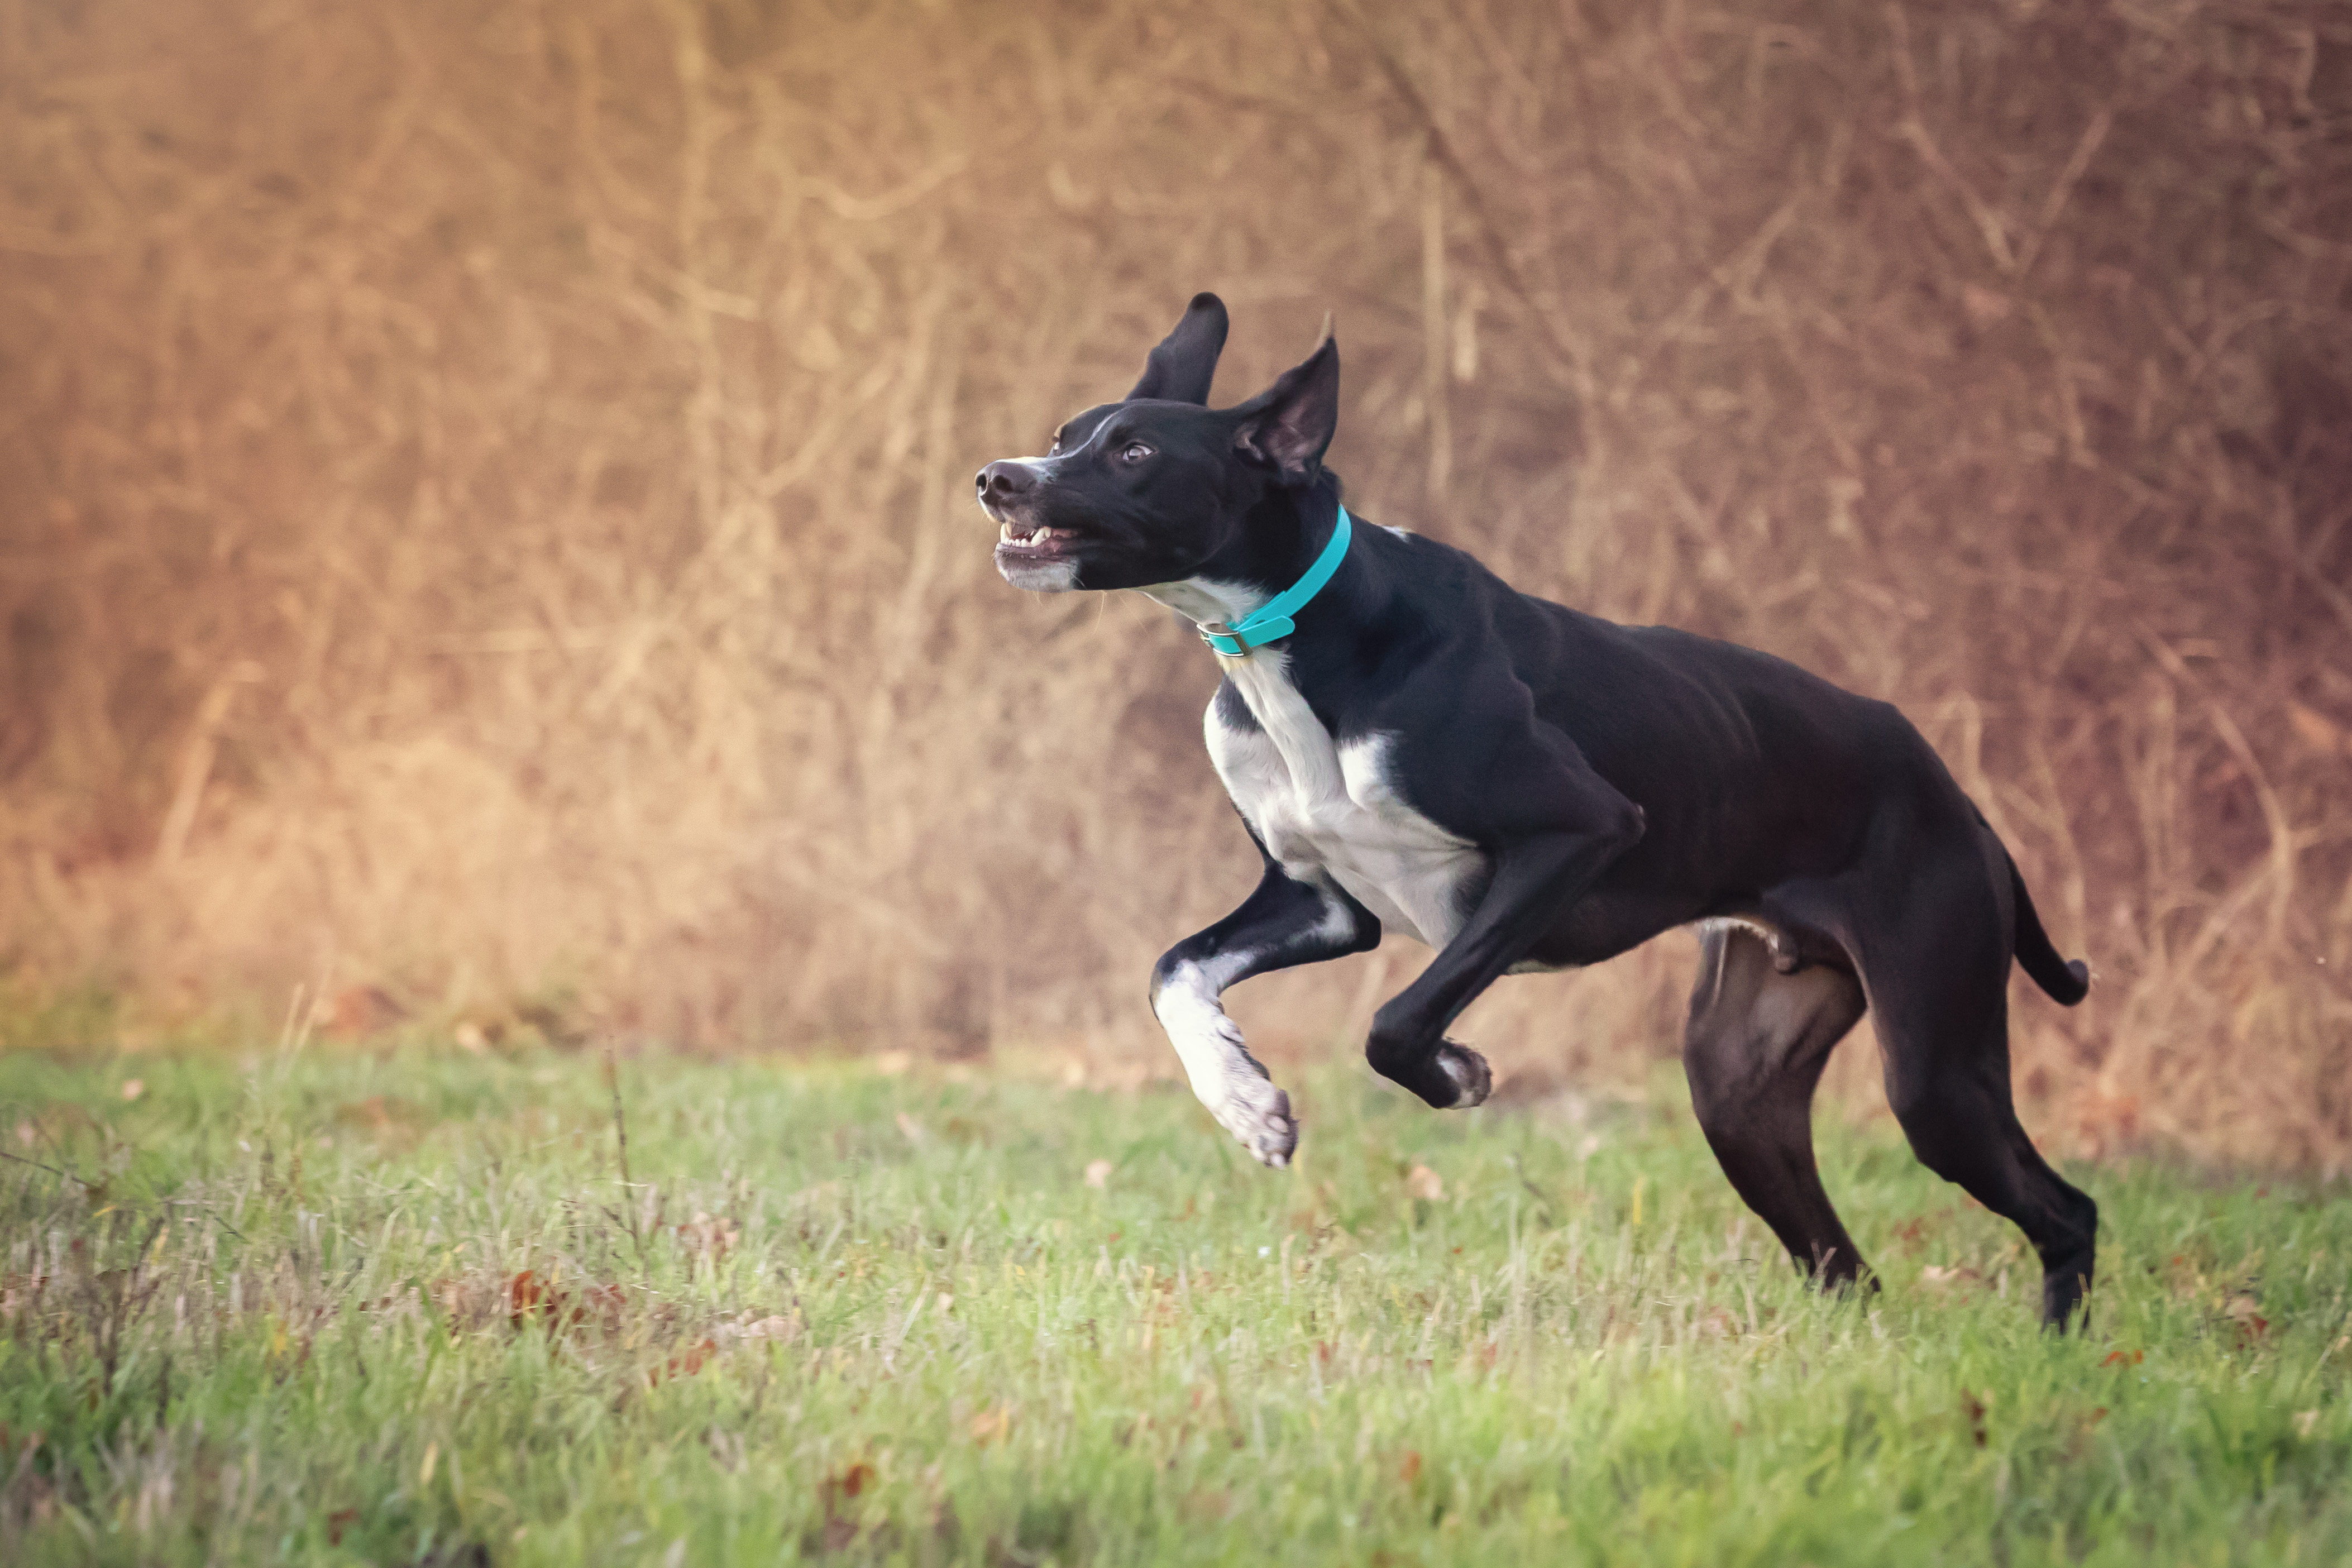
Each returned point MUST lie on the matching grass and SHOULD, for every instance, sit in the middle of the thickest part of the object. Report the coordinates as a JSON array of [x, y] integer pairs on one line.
[[403, 1308]]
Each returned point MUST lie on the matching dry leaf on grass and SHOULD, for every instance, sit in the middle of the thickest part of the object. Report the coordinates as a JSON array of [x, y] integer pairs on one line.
[[1423, 1182], [1099, 1173], [685, 1363], [775, 1327], [2245, 1313], [715, 1235]]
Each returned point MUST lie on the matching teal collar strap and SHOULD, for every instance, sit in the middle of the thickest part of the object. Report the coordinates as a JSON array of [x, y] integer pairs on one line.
[[1272, 619]]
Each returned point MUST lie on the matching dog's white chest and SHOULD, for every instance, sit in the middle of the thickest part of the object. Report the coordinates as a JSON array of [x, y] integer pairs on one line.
[[1328, 810]]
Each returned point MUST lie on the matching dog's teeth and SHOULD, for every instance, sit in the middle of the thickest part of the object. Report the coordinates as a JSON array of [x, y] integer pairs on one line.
[[1004, 532]]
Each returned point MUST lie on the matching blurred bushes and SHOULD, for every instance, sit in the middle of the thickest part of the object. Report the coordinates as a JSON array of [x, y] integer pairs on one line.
[[485, 493]]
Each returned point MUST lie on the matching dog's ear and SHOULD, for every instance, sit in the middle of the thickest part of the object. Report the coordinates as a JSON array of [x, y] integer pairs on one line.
[[1181, 367], [1289, 423]]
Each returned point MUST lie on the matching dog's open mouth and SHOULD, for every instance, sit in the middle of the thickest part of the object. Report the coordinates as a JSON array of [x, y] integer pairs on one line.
[[1026, 542]]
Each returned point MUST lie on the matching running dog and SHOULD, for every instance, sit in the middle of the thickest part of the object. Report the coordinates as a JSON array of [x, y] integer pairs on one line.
[[1415, 747]]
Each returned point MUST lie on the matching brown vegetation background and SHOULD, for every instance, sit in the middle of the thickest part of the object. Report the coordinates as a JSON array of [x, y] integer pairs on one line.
[[484, 491]]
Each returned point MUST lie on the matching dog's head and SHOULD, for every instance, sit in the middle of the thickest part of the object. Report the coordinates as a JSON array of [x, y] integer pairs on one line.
[[1159, 488]]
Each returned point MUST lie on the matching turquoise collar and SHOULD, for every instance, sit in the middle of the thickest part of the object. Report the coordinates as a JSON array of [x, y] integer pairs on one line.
[[1272, 619]]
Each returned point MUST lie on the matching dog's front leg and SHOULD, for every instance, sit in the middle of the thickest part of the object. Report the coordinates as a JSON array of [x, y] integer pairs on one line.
[[1283, 923], [1557, 828]]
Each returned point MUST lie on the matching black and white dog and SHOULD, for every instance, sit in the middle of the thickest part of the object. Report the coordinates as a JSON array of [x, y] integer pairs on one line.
[[1417, 747]]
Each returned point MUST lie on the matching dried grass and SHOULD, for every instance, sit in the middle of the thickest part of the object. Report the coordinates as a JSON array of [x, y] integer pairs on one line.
[[485, 492]]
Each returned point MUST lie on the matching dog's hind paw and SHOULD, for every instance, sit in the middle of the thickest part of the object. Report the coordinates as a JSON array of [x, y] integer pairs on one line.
[[1472, 1081]]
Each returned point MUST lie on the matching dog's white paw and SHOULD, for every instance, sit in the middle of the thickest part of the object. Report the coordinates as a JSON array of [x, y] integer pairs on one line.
[[1472, 1081], [1234, 1088], [1258, 1113]]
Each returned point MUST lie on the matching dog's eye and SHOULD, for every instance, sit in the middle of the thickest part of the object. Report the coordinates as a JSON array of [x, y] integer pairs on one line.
[[1135, 452]]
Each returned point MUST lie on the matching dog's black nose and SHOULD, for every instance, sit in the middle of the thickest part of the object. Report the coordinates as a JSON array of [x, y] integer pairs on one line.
[[1005, 478]]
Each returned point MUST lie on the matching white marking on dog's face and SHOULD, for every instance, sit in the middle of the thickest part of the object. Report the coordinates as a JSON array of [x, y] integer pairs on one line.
[[1326, 810], [1039, 576]]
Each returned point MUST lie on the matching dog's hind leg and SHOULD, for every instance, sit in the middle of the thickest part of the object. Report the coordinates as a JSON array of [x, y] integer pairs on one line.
[[1757, 1039], [1936, 968]]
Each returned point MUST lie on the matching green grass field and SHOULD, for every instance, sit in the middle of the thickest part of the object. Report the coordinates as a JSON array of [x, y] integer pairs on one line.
[[352, 1309]]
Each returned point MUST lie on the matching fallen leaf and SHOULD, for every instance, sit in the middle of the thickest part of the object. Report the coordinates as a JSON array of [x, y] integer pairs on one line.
[[2125, 1358], [526, 1294], [2246, 1312], [1410, 1470], [1975, 1409], [132, 1088], [1423, 1182], [2304, 1420], [773, 1327], [357, 1011], [685, 1364], [1099, 1173], [1944, 1279], [343, 1519], [715, 1235], [993, 1426]]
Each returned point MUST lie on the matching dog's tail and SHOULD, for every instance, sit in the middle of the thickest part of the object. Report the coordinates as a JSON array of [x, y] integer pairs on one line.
[[2068, 980]]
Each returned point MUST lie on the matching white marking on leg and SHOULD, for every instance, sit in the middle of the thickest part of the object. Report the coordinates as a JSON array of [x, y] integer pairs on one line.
[[1473, 1079], [1224, 1076]]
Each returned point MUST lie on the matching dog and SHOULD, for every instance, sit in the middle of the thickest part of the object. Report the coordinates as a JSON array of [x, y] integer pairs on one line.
[[1416, 748]]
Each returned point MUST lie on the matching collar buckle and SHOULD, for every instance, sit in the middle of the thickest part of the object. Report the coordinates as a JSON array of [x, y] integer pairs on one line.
[[1224, 641]]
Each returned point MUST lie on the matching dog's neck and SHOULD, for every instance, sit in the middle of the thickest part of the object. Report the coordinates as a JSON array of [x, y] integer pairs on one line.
[[1279, 541]]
